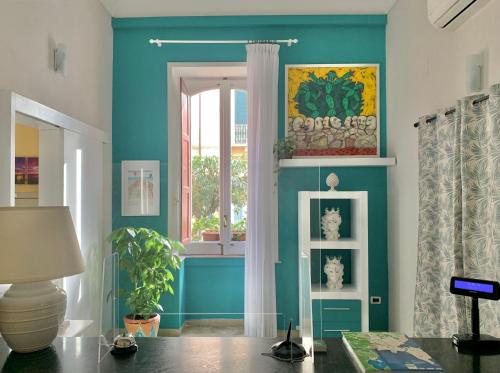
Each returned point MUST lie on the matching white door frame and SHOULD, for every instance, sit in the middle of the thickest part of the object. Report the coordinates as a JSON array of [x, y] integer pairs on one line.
[[11, 104]]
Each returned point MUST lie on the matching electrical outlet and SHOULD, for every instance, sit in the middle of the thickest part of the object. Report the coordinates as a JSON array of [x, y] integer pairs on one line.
[[376, 300]]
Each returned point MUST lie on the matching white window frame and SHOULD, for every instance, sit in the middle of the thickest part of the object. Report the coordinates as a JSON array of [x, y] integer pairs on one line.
[[235, 79]]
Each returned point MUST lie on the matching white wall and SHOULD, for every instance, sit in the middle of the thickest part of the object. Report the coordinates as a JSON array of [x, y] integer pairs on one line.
[[28, 27], [425, 71], [28, 31]]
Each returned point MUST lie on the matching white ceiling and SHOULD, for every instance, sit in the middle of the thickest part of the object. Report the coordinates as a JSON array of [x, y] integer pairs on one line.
[[158, 8]]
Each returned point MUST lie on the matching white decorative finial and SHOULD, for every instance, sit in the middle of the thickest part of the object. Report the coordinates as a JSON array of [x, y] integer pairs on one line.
[[332, 181]]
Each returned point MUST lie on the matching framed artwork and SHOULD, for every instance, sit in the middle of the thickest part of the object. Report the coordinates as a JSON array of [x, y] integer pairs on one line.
[[140, 188], [333, 110], [21, 165], [26, 170]]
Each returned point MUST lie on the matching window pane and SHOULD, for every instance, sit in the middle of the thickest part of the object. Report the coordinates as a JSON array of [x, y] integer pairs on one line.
[[239, 164], [205, 166]]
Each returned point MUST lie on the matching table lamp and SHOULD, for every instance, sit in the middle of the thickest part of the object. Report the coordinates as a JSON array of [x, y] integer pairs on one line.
[[37, 244]]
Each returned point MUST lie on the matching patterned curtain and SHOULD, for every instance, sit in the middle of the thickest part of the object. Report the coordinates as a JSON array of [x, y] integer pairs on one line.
[[459, 215]]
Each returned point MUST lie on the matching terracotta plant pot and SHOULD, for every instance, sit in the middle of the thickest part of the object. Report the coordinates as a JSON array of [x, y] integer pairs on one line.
[[142, 328], [210, 236], [239, 236]]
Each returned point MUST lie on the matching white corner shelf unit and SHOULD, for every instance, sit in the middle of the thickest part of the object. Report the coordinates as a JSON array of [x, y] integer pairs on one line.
[[320, 291], [343, 243], [324, 313]]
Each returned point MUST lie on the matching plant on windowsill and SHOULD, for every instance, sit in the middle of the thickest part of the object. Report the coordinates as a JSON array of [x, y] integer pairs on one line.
[[149, 258], [238, 230], [210, 235], [209, 227]]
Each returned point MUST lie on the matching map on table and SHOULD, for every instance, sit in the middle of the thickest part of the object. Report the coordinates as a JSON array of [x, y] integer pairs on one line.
[[387, 351]]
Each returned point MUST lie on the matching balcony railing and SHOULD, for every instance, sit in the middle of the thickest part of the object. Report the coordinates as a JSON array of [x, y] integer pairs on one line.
[[240, 134]]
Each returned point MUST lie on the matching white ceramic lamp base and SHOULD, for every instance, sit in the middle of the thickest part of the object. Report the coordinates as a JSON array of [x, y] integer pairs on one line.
[[30, 315]]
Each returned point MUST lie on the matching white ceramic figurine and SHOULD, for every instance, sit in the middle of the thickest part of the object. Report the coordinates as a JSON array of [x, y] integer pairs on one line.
[[330, 223], [334, 271]]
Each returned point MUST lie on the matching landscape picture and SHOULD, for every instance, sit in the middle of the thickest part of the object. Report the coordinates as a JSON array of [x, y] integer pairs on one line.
[[26, 170]]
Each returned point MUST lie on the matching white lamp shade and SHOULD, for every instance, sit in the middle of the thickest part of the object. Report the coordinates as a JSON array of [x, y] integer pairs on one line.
[[38, 244]]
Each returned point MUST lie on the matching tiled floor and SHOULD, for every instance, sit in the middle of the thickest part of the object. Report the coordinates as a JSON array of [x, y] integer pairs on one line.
[[213, 328]]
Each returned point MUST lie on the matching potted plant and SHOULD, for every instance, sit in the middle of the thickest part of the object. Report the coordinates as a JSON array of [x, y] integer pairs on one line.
[[149, 258], [210, 235], [238, 230], [284, 148], [210, 228]]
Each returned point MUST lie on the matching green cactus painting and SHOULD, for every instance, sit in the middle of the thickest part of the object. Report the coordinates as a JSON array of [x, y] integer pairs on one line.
[[331, 95], [333, 110]]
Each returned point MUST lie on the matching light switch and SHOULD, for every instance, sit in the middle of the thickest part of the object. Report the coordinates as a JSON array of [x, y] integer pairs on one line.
[[376, 300]]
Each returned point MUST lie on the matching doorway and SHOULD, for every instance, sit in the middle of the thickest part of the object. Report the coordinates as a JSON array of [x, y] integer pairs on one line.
[[26, 166]]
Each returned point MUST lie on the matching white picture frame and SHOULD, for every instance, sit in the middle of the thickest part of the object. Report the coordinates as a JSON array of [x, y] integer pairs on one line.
[[140, 188]]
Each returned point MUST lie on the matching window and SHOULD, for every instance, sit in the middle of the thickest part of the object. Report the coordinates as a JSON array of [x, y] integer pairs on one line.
[[214, 175]]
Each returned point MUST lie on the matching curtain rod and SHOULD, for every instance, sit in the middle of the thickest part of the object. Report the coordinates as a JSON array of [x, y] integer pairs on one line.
[[475, 102], [159, 42]]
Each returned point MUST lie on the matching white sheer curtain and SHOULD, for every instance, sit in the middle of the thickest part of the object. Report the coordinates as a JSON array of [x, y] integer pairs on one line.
[[262, 231]]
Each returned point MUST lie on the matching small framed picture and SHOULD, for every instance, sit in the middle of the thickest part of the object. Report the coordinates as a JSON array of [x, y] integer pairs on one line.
[[26, 170], [21, 167], [140, 188]]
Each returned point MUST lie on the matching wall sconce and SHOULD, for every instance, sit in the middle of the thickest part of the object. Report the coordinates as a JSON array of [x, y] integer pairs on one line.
[[476, 68], [60, 59]]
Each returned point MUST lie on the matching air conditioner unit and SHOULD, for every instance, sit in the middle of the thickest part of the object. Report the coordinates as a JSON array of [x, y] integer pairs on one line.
[[450, 14]]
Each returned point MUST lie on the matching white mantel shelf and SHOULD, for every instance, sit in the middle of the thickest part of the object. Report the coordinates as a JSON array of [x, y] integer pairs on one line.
[[338, 162]]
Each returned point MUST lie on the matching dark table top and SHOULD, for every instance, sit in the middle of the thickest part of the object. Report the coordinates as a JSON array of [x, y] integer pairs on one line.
[[210, 354]]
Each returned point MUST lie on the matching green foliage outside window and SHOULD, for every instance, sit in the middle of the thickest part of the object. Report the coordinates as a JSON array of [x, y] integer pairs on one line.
[[239, 182], [205, 190], [205, 186]]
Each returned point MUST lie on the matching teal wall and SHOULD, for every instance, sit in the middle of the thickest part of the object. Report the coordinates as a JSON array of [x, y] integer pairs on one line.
[[214, 287], [140, 129]]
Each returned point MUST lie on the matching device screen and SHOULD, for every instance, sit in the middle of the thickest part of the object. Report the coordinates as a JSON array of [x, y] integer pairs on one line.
[[474, 286]]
